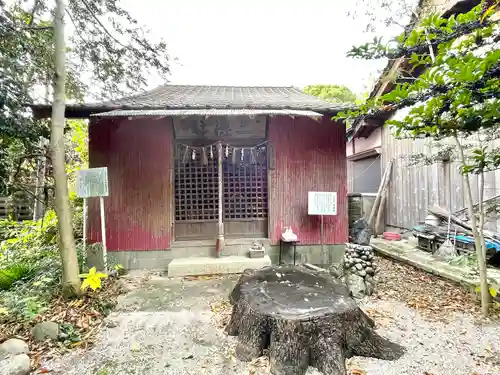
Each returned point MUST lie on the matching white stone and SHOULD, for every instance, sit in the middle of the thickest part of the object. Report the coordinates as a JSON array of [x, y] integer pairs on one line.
[[356, 285], [369, 288], [12, 347], [17, 365], [195, 266]]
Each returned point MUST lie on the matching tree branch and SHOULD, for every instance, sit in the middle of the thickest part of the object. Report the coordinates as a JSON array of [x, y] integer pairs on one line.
[[438, 89], [87, 5], [463, 29], [33, 12]]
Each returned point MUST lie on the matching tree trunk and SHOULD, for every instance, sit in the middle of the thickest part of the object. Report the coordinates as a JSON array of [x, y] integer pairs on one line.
[[41, 168], [305, 318], [39, 205], [481, 260], [67, 247], [481, 213]]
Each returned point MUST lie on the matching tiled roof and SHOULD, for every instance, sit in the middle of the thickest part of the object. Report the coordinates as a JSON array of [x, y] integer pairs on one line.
[[206, 112], [221, 97]]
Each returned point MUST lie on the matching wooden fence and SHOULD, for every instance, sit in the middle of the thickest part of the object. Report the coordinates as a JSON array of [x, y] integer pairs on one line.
[[414, 188], [16, 208]]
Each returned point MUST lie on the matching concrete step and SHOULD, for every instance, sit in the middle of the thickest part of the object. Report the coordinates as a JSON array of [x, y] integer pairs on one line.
[[195, 266], [206, 248]]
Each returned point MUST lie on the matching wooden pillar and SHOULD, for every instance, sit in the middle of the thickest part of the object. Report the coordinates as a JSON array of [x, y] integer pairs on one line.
[[220, 224]]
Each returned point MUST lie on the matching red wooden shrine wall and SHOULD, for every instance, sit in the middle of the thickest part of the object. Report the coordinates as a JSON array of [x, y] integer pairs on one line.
[[309, 156], [138, 154]]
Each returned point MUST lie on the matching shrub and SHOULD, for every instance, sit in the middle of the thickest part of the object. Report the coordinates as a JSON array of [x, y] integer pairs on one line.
[[10, 274], [30, 267]]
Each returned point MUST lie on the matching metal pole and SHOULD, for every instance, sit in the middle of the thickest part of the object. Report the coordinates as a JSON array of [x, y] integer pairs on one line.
[[220, 225], [103, 234], [325, 260], [85, 208]]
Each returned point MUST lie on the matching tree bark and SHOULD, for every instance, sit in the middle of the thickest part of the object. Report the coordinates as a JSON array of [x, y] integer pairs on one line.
[[481, 213], [41, 168], [67, 247], [39, 204], [305, 318], [481, 260]]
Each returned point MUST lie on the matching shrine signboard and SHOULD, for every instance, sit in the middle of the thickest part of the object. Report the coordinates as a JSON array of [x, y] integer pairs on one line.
[[92, 182], [322, 203]]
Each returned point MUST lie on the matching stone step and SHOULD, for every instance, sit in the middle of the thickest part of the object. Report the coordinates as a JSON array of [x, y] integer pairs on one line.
[[196, 266], [206, 248]]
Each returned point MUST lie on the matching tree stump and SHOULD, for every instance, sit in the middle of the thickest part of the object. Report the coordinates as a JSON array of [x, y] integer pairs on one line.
[[304, 318]]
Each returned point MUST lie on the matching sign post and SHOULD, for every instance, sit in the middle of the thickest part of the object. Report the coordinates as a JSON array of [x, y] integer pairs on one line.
[[90, 183], [322, 203], [85, 208]]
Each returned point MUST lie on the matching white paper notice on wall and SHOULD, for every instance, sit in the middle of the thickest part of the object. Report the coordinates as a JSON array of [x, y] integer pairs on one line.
[[92, 182], [322, 203]]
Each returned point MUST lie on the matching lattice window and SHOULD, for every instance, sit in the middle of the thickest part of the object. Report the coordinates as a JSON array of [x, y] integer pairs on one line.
[[196, 188], [245, 185]]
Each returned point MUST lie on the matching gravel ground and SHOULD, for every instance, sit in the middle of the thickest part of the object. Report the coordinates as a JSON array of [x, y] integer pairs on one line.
[[175, 326]]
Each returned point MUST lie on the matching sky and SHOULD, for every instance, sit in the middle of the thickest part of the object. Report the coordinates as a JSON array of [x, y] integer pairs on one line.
[[258, 42]]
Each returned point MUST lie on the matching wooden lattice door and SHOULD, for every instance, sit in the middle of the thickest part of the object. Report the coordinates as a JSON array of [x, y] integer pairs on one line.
[[196, 197], [244, 203]]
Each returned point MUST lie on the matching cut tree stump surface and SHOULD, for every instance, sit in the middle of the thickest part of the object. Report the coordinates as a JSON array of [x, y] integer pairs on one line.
[[305, 318]]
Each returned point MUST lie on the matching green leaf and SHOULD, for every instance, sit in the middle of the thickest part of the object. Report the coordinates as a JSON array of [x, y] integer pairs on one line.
[[493, 292]]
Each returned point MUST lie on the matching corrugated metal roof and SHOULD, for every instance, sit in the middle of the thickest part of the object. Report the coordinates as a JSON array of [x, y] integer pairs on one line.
[[208, 112]]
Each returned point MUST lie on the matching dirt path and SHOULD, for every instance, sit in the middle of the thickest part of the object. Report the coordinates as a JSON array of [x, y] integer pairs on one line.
[[174, 326]]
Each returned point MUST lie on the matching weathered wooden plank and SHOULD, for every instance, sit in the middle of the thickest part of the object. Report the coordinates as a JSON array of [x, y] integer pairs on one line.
[[19, 208], [415, 188]]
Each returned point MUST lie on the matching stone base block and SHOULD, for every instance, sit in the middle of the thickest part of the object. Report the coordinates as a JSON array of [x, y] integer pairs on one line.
[[256, 253], [195, 266]]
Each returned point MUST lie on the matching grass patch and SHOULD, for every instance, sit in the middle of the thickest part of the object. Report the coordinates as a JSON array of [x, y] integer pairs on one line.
[[30, 290]]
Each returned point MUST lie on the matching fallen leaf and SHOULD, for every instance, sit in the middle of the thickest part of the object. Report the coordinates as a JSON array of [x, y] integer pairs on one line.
[[434, 298]]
